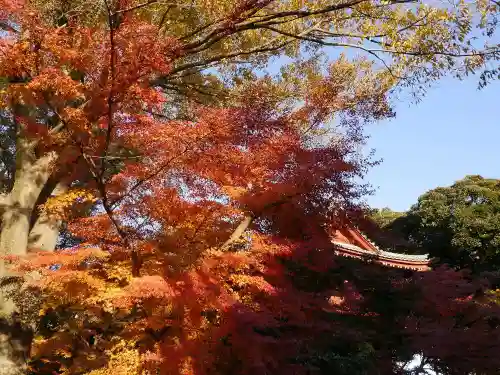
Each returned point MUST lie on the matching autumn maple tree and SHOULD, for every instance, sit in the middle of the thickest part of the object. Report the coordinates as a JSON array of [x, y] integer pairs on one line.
[[198, 191]]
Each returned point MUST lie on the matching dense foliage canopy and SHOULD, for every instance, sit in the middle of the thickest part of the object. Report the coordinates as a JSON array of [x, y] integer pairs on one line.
[[459, 225], [196, 192]]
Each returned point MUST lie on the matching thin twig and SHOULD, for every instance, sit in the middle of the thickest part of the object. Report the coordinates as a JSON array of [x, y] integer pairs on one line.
[[113, 157], [152, 175], [135, 7], [111, 85]]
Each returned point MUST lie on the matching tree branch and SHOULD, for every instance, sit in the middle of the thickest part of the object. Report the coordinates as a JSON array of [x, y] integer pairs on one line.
[[238, 232], [152, 175], [135, 7], [368, 37], [261, 49], [111, 24], [261, 22], [250, 218], [101, 187], [223, 32]]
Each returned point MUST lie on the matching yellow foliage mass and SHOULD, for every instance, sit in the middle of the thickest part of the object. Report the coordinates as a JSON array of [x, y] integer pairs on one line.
[[59, 207], [124, 359]]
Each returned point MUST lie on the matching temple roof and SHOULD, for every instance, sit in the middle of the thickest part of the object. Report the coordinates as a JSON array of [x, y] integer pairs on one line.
[[351, 242]]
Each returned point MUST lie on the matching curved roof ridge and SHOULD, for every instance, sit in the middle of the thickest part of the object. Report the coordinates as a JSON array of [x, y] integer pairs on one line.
[[390, 253], [385, 254]]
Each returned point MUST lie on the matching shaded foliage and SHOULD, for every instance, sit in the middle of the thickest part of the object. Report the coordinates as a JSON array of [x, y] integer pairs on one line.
[[387, 230]]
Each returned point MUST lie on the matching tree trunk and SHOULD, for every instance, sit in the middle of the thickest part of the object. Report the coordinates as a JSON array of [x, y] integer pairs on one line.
[[45, 231], [18, 207], [15, 346], [31, 176], [16, 336]]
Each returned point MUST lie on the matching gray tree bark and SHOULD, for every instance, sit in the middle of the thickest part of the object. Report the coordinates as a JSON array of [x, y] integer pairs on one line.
[[15, 335], [18, 232], [238, 232], [45, 231], [31, 176]]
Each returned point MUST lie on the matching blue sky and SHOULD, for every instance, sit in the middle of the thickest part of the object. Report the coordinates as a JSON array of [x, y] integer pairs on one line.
[[454, 131]]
